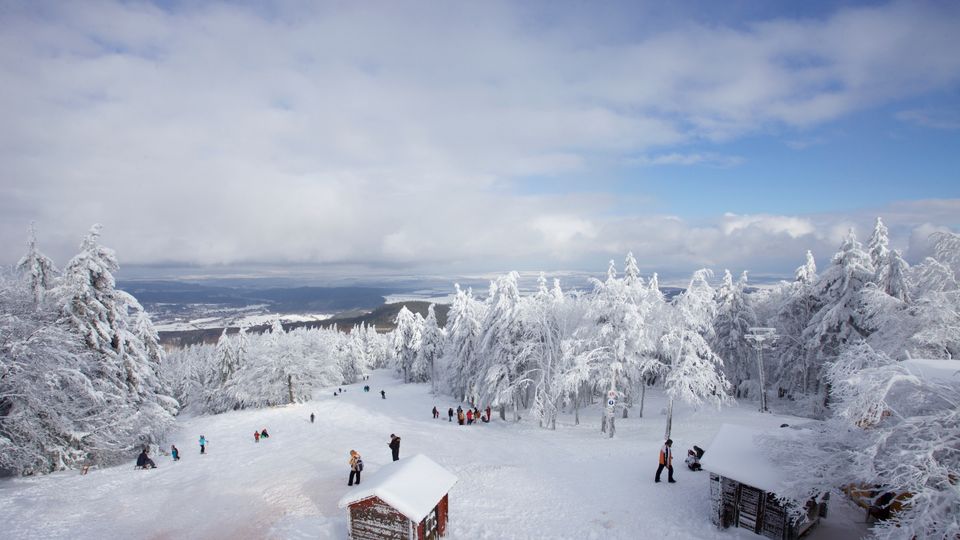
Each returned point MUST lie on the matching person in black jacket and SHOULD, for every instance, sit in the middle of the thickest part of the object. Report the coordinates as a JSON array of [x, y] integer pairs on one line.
[[450, 414], [144, 461], [395, 446]]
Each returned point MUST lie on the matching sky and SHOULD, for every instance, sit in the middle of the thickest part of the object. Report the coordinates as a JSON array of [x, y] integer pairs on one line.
[[477, 136]]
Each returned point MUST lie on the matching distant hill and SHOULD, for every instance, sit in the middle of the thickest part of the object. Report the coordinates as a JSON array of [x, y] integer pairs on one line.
[[380, 318]]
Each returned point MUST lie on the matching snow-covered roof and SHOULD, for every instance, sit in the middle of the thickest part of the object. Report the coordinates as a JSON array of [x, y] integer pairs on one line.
[[413, 486], [934, 370], [736, 454]]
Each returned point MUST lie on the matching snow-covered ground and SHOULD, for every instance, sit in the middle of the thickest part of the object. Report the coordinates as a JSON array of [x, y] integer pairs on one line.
[[515, 480]]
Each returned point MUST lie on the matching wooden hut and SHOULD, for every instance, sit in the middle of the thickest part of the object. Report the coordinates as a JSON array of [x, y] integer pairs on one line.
[[744, 482], [404, 500]]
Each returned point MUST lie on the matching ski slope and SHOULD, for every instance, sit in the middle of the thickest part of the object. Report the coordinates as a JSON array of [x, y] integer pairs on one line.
[[516, 481]]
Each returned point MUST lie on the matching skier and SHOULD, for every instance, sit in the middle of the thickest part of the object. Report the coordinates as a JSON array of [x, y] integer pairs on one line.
[[666, 460], [144, 461], [394, 446], [450, 414], [383, 394], [436, 413], [311, 418], [356, 467], [174, 453], [264, 434], [203, 444], [256, 436], [692, 461]]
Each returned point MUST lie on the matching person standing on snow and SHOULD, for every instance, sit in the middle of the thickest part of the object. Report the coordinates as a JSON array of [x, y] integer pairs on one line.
[[356, 467], [311, 418], [666, 460], [203, 444], [459, 416], [256, 436], [450, 414], [469, 417], [383, 394], [174, 453], [436, 413], [394, 446]]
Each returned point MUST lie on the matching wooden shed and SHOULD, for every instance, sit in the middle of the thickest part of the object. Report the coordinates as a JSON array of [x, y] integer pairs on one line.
[[744, 482], [404, 500]]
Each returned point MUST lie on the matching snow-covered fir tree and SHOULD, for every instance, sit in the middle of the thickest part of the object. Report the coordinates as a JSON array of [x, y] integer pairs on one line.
[[36, 268], [407, 338], [731, 324], [431, 349]]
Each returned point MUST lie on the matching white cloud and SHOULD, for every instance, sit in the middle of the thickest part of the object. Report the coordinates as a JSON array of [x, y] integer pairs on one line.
[[367, 134], [789, 225]]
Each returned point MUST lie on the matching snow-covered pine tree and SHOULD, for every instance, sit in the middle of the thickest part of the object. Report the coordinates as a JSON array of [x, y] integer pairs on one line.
[[878, 247], [695, 373], [91, 305], [792, 373], [463, 357], [36, 268], [542, 350], [51, 410], [619, 310], [842, 318], [407, 338], [226, 358], [631, 272], [431, 349], [504, 376], [894, 278], [732, 323]]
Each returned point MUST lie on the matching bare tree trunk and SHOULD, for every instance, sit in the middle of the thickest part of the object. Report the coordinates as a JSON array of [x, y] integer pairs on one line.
[[290, 387], [503, 413], [576, 410], [669, 419], [643, 394]]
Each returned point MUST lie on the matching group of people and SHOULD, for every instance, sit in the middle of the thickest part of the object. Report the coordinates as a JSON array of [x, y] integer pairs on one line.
[[257, 435], [666, 460], [465, 417], [144, 461], [356, 462]]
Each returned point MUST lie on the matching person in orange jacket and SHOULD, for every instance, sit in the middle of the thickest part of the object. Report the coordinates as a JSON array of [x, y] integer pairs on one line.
[[666, 460]]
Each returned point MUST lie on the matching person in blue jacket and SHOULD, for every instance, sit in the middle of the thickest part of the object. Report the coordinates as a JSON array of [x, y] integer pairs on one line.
[[174, 453], [203, 444]]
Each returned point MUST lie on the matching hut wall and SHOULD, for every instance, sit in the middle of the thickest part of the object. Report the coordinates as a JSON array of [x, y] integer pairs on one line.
[[373, 519]]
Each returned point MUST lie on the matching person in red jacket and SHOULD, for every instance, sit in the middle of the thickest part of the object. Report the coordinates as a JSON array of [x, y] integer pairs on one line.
[[666, 460], [469, 417]]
